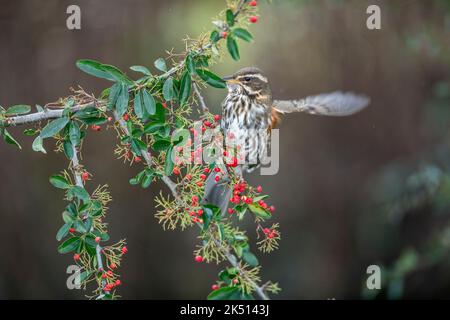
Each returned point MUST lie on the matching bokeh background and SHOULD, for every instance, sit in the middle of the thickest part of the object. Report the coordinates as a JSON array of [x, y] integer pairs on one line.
[[369, 189]]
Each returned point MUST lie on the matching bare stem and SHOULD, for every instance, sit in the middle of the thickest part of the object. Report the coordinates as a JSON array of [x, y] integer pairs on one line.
[[201, 100], [42, 115]]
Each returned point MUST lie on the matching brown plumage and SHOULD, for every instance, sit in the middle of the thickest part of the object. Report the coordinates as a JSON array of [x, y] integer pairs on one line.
[[250, 114]]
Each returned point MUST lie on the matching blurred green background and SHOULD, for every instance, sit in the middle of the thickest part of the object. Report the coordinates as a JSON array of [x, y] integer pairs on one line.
[[369, 189]]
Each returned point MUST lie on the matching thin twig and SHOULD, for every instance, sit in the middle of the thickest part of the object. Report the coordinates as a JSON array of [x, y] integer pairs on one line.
[[201, 100]]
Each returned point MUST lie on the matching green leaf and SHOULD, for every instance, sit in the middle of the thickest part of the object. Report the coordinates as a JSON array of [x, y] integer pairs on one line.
[[59, 182], [122, 101], [211, 78], [147, 180], [29, 132], [160, 64], [233, 48], [38, 145], [250, 259], [69, 245], [63, 231], [243, 34], [54, 127], [74, 133], [190, 65], [225, 293], [10, 140], [80, 193], [168, 91], [18, 109], [230, 17], [257, 210], [138, 110], [116, 74], [114, 93], [215, 36], [68, 149], [141, 69], [149, 102], [153, 127], [161, 145], [94, 68], [105, 71], [169, 165], [137, 146], [185, 88]]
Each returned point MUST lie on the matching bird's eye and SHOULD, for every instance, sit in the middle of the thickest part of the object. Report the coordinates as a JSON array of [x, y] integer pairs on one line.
[[247, 79]]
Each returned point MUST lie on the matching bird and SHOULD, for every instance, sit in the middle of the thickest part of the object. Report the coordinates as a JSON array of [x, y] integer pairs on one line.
[[249, 113]]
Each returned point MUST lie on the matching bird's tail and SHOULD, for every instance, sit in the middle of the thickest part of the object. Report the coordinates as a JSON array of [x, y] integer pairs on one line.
[[218, 193]]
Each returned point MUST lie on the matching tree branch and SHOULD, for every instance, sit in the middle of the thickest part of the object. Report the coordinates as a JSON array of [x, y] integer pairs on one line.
[[46, 114], [148, 158], [201, 100]]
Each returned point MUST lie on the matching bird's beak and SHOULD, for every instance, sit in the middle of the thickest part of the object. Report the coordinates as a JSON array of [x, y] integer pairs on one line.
[[230, 79]]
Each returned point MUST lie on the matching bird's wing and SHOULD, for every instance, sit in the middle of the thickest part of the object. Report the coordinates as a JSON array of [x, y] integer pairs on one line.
[[337, 104]]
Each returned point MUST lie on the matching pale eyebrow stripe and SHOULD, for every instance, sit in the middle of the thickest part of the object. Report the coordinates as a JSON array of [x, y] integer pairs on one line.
[[259, 76]]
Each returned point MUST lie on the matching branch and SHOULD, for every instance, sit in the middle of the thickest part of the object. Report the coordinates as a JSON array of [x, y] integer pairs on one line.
[[234, 262], [148, 158], [201, 100], [46, 114], [79, 182]]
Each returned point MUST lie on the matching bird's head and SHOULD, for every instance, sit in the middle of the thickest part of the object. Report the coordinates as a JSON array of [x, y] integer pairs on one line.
[[250, 81]]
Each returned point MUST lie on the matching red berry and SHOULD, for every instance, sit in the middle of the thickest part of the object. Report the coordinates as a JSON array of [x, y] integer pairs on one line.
[[200, 212], [215, 287], [104, 275], [224, 34], [189, 176], [113, 266], [266, 231], [259, 189], [137, 159], [207, 123], [126, 117], [109, 273], [85, 176], [203, 176], [253, 3], [272, 209], [110, 119], [235, 281], [217, 169], [216, 117], [217, 178], [95, 127], [271, 235], [194, 199], [230, 211], [249, 200], [76, 257], [225, 153], [253, 19], [124, 250], [164, 105], [176, 171], [199, 184], [206, 170], [72, 230], [198, 258], [118, 283], [97, 239]]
